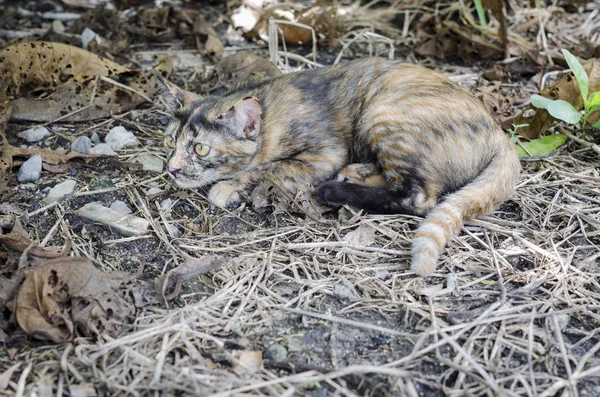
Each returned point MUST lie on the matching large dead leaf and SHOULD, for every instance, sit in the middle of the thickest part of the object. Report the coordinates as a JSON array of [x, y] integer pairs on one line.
[[66, 294], [26, 67], [92, 99], [539, 120]]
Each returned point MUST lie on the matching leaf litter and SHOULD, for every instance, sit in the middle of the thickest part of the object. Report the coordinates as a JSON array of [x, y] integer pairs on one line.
[[349, 318]]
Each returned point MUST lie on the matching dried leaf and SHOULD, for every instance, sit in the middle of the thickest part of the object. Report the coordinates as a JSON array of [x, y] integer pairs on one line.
[[363, 236], [241, 67], [26, 67], [52, 156], [208, 37], [18, 242], [69, 293], [92, 99]]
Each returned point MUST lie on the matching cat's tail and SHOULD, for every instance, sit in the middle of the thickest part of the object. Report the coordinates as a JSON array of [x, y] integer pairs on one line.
[[479, 197]]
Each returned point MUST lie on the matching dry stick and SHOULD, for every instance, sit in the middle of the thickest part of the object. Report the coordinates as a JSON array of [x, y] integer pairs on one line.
[[591, 145], [22, 380], [349, 322]]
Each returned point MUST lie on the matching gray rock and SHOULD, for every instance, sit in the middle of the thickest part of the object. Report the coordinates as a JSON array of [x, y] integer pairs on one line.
[[276, 352], [60, 191], [81, 144], [120, 206], [166, 204], [119, 138], [31, 170], [149, 162], [87, 36], [34, 134], [95, 138], [175, 231], [153, 190], [103, 148], [127, 225]]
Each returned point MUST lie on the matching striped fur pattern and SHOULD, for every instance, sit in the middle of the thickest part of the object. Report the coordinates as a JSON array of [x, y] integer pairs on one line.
[[379, 135]]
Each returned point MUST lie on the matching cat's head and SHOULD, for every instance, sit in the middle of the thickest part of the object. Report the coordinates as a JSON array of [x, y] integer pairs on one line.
[[209, 139]]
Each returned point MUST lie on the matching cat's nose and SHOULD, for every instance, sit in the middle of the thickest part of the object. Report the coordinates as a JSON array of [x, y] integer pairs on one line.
[[174, 170]]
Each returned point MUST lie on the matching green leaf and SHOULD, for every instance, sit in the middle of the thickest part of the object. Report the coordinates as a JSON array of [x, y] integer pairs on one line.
[[579, 72], [596, 124], [542, 146], [564, 111], [594, 99], [540, 102]]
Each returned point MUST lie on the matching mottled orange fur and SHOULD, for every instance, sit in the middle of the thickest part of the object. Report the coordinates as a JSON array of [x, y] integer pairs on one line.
[[400, 138]]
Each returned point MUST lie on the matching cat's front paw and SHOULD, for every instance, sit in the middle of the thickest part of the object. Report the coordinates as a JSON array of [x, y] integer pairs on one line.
[[225, 195]]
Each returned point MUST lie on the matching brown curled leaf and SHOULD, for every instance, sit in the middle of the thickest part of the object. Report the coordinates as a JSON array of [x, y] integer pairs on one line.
[[241, 67], [67, 294]]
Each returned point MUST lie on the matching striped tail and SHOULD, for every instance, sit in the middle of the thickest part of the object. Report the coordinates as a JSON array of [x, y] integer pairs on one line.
[[479, 197]]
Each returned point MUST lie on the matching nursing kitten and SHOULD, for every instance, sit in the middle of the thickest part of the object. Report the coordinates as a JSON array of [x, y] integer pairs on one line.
[[400, 138]]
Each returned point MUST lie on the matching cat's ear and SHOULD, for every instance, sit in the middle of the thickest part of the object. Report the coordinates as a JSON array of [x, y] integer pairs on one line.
[[174, 97], [243, 118]]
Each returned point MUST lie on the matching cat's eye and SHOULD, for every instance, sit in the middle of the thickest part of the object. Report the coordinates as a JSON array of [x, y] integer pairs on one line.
[[169, 142], [202, 149]]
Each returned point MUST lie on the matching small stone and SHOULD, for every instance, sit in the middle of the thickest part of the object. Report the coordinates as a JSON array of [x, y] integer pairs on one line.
[[153, 190], [149, 162], [149, 142], [34, 134], [95, 138], [103, 148], [120, 206], [60, 191], [58, 26], [294, 343], [127, 225], [81, 144], [87, 36], [276, 353], [119, 138], [175, 231], [166, 204], [31, 170]]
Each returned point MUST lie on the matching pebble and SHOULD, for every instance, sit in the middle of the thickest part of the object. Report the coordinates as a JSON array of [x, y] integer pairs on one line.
[[87, 36], [103, 148], [95, 138], [115, 220], [149, 162], [60, 191], [120, 206], [166, 204], [276, 352], [175, 231], [31, 170], [34, 134], [153, 190], [81, 144], [119, 138]]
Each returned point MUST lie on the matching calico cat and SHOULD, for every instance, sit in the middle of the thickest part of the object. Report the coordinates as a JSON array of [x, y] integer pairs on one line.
[[400, 138]]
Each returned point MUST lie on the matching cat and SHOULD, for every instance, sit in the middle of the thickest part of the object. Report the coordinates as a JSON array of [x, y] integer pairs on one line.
[[375, 134]]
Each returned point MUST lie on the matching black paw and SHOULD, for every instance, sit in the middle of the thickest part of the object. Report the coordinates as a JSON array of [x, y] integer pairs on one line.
[[332, 193]]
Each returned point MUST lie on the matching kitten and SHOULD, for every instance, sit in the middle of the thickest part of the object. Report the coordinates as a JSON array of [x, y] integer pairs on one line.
[[400, 138]]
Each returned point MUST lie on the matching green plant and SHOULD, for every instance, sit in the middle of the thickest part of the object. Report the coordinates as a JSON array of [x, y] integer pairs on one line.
[[536, 147], [480, 13], [565, 111]]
